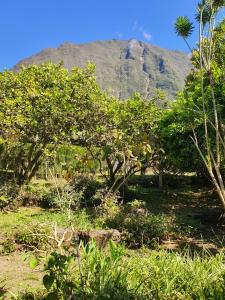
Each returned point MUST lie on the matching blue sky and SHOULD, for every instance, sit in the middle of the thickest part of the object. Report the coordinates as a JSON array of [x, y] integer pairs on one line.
[[28, 26]]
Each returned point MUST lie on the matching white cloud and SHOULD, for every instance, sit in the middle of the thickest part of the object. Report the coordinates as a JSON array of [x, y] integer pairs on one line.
[[146, 35]]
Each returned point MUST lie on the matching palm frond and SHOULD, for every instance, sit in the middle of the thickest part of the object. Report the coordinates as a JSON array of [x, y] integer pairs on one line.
[[183, 27]]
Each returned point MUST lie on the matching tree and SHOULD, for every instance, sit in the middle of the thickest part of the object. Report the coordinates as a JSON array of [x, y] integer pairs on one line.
[[122, 138], [174, 129], [41, 105], [208, 60]]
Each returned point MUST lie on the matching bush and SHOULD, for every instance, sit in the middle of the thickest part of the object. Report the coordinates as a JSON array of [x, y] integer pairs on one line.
[[34, 237], [9, 196], [47, 195], [57, 279], [108, 203], [67, 199], [88, 186], [38, 194], [8, 246], [137, 226], [4, 202], [144, 230]]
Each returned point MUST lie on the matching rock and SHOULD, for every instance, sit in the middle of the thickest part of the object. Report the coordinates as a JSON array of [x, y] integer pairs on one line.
[[100, 236]]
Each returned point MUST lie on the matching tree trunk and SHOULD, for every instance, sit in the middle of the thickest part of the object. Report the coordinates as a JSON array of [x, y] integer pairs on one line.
[[160, 181]]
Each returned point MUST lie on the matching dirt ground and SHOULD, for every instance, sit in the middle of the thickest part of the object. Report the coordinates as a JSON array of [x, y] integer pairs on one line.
[[17, 274]]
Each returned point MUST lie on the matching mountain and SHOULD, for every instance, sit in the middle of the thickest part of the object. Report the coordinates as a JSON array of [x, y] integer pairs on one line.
[[123, 67]]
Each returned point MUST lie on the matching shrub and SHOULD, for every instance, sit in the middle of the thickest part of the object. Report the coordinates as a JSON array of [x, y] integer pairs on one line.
[[67, 199], [8, 246], [88, 186], [57, 278], [108, 203], [9, 196], [38, 194], [35, 236], [136, 206], [59, 195], [137, 226], [144, 230], [116, 274], [4, 202]]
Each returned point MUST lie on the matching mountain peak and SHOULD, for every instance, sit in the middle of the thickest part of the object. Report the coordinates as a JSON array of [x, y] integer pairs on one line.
[[123, 66]]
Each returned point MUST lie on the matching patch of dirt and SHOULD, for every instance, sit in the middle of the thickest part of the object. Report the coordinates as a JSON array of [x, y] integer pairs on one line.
[[191, 245], [16, 273]]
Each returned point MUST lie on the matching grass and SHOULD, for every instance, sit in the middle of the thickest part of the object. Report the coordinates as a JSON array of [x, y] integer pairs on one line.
[[179, 276], [25, 215], [187, 205], [150, 274], [183, 205], [120, 274]]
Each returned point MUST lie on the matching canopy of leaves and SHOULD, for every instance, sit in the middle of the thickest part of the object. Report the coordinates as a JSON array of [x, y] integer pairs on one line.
[[42, 105], [184, 116], [121, 135], [183, 27]]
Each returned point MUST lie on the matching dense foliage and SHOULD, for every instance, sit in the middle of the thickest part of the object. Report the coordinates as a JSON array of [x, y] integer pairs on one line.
[[187, 115], [40, 106], [44, 106]]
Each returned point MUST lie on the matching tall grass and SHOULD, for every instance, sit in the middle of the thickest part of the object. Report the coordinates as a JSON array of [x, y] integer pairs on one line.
[[158, 275], [178, 276]]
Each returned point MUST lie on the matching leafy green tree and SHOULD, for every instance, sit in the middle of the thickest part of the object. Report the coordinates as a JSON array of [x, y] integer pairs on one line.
[[205, 90], [41, 105], [124, 139], [186, 113], [175, 131]]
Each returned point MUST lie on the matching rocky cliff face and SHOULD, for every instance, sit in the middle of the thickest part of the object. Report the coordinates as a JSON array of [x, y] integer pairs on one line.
[[123, 67]]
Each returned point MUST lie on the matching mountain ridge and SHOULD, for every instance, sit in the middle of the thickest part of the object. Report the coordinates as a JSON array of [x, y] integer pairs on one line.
[[122, 66]]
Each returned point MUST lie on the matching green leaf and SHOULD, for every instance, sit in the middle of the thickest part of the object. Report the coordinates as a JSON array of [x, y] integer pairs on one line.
[[48, 281], [204, 12], [34, 262], [51, 262]]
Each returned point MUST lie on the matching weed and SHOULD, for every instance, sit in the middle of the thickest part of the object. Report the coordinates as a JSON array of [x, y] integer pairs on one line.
[[34, 237], [8, 246]]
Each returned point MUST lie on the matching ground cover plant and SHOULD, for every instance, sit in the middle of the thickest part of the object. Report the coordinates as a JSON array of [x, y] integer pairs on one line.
[[119, 274]]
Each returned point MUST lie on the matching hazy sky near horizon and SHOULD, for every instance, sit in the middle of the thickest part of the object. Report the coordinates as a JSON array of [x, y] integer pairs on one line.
[[28, 26]]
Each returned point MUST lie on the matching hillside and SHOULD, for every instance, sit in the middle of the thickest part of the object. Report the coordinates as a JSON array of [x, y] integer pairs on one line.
[[123, 67]]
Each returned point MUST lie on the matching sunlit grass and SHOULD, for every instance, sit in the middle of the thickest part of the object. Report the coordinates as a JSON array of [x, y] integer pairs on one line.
[[25, 215]]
